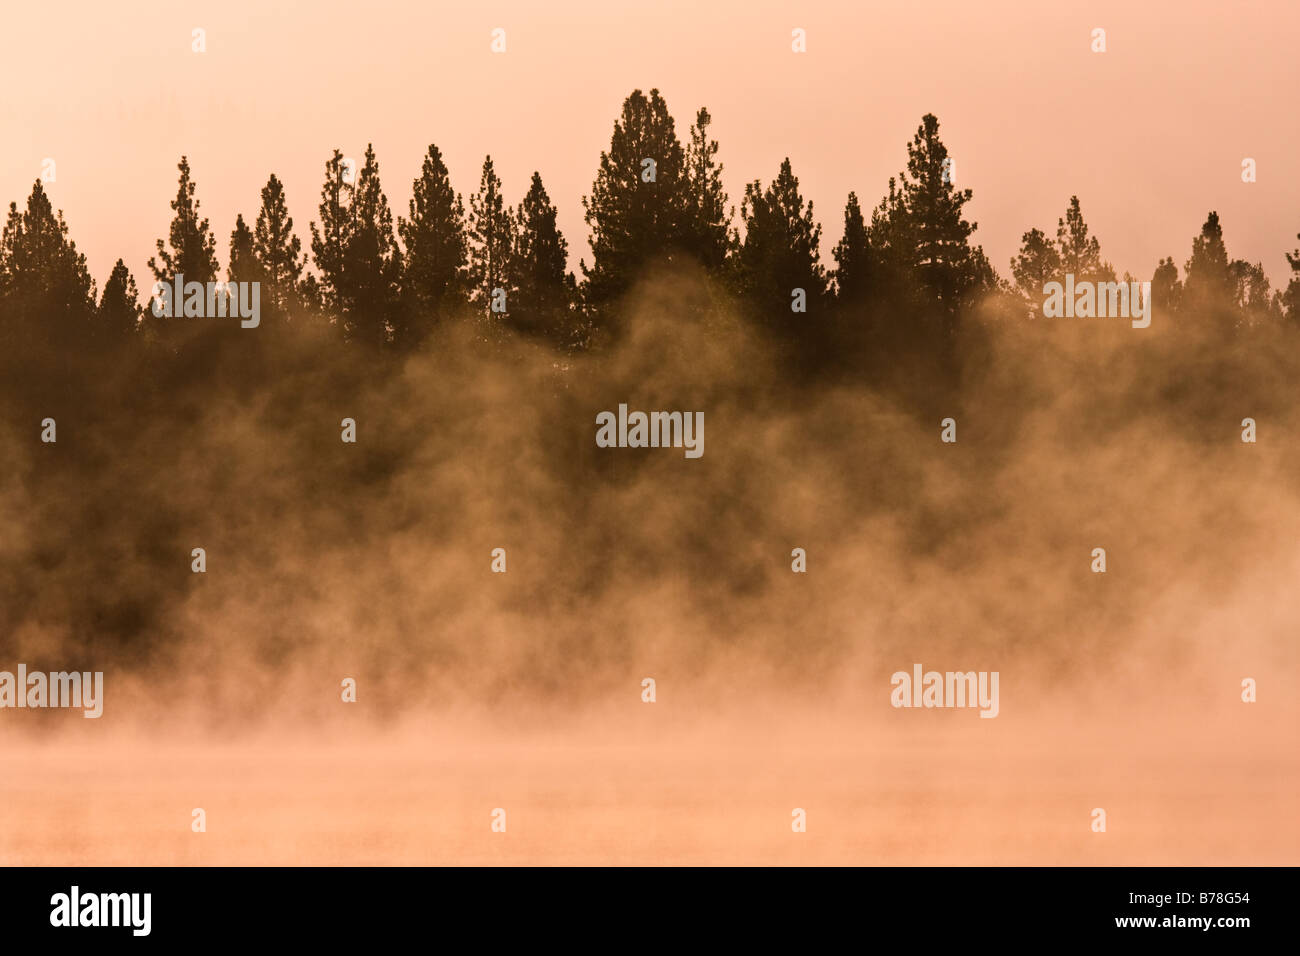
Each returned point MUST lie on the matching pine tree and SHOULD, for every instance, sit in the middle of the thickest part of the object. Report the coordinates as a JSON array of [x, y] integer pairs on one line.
[[707, 225], [892, 249], [779, 253], [1210, 297], [1208, 279], [1209, 285], [853, 256], [946, 266], [193, 246], [544, 291], [371, 260], [278, 251], [435, 277], [1037, 263], [1080, 254], [119, 313], [491, 236], [1290, 299], [46, 293], [637, 206], [244, 266], [311, 298], [1074, 252], [1251, 291], [1166, 287], [329, 241]]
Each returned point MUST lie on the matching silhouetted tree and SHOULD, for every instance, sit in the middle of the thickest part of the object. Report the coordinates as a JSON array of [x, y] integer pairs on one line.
[[278, 251], [892, 249], [244, 266], [119, 313], [1080, 253], [46, 293], [1166, 287], [1208, 278], [1290, 299], [1209, 291], [193, 246], [707, 222], [853, 256], [1075, 252], [1251, 291], [923, 237], [435, 277], [544, 291], [329, 241], [1037, 263], [637, 206], [491, 235], [371, 260], [947, 268], [311, 298], [779, 254]]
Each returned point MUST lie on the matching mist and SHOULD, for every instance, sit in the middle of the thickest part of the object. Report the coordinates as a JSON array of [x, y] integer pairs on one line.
[[373, 561]]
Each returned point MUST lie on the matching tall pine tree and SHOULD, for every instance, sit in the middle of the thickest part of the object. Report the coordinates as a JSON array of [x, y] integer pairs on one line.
[[779, 270], [244, 266], [1252, 295], [46, 293], [491, 235], [1037, 263], [544, 291], [193, 251], [892, 253], [1208, 279], [1080, 253], [1166, 287], [278, 251], [637, 207], [934, 236], [371, 260], [329, 240], [707, 225], [435, 277], [853, 256], [1075, 252], [119, 313]]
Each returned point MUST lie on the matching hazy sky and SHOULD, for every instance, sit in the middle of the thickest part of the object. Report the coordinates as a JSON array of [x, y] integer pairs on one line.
[[1150, 134]]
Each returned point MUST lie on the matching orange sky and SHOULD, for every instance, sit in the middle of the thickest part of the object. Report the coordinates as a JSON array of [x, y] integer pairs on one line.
[[1150, 134]]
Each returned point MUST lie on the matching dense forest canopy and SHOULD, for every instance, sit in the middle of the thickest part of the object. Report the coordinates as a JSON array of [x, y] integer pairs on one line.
[[906, 273]]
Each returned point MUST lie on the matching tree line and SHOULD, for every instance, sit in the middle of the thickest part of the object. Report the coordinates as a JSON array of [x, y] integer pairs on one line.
[[908, 270]]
